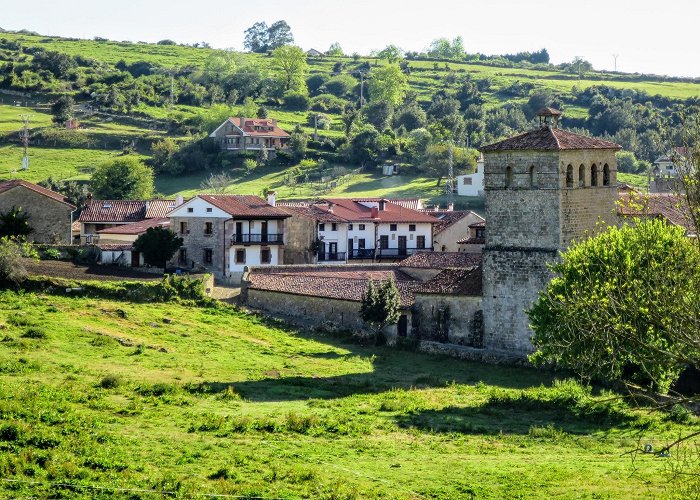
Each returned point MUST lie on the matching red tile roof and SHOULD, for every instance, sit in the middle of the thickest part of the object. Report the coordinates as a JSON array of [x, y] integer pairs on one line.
[[550, 139], [136, 227], [248, 206], [670, 207], [352, 210], [312, 212], [333, 282], [472, 241], [441, 260], [447, 218], [253, 126], [466, 282], [123, 211], [7, 185]]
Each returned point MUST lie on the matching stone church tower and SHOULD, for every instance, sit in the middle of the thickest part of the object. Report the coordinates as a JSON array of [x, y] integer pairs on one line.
[[544, 189]]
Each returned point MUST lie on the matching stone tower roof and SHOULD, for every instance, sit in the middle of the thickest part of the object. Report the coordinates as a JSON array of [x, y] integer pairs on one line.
[[550, 139]]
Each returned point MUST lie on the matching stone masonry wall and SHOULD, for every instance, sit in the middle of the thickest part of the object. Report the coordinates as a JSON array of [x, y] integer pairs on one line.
[[300, 236], [512, 282], [195, 241], [49, 218], [447, 319]]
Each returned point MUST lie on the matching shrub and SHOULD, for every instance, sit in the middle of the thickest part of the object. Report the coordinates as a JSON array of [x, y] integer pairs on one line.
[[52, 254], [295, 101], [328, 103], [34, 332], [110, 381]]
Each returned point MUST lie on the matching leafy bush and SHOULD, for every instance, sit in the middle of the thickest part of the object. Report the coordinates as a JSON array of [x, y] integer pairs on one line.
[[110, 381], [295, 101], [34, 332], [328, 103], [52, 254]]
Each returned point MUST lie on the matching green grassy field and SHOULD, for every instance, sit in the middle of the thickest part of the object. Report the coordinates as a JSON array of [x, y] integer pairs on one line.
[[97, 395]]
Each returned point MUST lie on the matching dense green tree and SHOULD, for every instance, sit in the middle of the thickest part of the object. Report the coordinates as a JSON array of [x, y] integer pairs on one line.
[[15, 223], [380, 307], [623, 305], [436, 158], [391, 53], [339, 85], [378, 114], [335, 50], [298, 143], [297, 101], [62, 109], [257, 38], [443, 48], [362, 146], [443, 106], [539, 99], [124, 178], [76, 193], [58, 63], [388, 83], [279, 34], [13, 253], [158, 245], [290, 63], [410, 116]]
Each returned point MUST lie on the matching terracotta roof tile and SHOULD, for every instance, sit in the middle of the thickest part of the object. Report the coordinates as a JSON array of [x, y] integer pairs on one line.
[[244, 206], [353, 211], [447, 218], [659, 205], [7, 185], [550, 139], [441, 260], [465, 282], [113, 211], [269, 126], [312, 212], [137, 227], [333, 282], [472, 241], [115, 246]]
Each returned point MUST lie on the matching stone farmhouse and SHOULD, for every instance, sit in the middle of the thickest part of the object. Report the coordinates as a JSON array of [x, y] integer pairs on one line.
[[50, 214], [339, 230], [250, 134], [225, 233]]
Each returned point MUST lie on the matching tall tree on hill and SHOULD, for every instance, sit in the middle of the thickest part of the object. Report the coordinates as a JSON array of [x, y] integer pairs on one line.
[[335, 50], [290, 62], [62, 109], [388, 83], [124, 178], [262, 38], [391, 53]]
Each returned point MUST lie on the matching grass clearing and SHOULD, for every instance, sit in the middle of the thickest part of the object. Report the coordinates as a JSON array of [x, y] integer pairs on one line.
[[235, 405]]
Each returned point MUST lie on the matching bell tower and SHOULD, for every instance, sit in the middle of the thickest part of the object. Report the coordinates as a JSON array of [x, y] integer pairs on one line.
[[544, 189]]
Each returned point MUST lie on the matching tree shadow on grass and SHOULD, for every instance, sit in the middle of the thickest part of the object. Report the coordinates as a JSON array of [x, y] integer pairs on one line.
[[391, 369], [525, 414]]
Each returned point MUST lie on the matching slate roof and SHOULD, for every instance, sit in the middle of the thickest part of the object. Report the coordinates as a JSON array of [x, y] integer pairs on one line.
[[7, 185], [137, 227], [550, 139], [441, 260], [332, 282], [466, 282], [656, 205], [247, 206]]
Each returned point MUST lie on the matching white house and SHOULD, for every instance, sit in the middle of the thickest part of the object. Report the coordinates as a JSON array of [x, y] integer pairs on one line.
[[225, 233], [472, 184]]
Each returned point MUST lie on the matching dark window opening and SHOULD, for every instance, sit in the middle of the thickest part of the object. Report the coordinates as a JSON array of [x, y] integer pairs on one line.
[[581, 176], [208, 255], [594, 175], [392, 227], [208, 228], [420, 241], [411, 227], [570, 176], [240, 256], [606, 175], [265, 256], [509, 177]]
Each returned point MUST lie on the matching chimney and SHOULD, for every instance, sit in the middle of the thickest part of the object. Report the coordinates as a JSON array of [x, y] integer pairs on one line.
[[242, 120], [374, 213], [272, 199], [381, 205], [330, 207], [451, 207], [179, 200]]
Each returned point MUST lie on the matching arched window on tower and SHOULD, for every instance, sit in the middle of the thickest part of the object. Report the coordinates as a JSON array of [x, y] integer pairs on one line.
[[533, 176], [570, 176], [509, 177], [581, 176], [606, 175], [594, 175]]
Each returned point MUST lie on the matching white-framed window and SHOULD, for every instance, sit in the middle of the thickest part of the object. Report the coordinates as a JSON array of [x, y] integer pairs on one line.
[[361, 227]]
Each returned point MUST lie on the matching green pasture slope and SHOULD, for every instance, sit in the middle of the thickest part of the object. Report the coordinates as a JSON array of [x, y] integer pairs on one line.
[[101, 397]]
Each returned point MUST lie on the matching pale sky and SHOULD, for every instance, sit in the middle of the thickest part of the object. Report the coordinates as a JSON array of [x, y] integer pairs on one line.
[[649, 36]]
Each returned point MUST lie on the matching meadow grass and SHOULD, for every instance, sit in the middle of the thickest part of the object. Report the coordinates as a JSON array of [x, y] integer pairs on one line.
[[187, 400]]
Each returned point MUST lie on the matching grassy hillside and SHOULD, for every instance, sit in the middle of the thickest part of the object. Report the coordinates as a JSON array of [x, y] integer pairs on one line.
[[104, 134], [100, 397]]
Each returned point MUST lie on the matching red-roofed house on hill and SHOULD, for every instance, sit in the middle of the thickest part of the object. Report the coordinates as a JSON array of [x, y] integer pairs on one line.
[[363, 228], [250, 134], [50, 213], [226, 233]]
